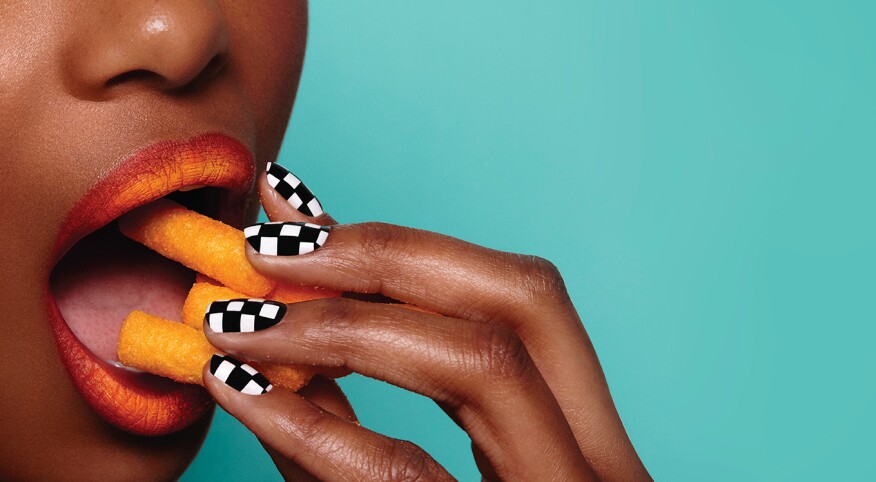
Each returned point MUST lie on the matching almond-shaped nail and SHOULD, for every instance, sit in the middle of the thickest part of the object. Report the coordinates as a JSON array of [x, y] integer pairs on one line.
[[239, 375], [292, 189], [243, 315], [286, 238]]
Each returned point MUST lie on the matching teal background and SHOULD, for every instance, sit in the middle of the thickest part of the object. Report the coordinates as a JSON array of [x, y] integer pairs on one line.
[[701, 171]]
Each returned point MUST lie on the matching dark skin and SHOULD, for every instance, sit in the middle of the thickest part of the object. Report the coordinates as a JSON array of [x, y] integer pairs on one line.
[[57, 59], [504, 353]]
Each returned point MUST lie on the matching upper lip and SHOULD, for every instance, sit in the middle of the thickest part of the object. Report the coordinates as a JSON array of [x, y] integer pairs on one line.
[[149, 173], [156, 171]]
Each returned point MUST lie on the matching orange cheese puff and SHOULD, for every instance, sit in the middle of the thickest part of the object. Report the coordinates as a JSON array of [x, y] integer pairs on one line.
[[163, 347], [198, 242], [290, 377], [200, 278], [200, 297], [179, 352], [294, 293]]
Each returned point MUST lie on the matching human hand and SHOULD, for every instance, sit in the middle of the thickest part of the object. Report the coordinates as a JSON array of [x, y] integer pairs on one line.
[[501, 350]]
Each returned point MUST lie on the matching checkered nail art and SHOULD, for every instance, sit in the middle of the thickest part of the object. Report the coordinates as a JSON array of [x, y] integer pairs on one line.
[[293, 190], [243, 315], [239, 375], [286, 239]]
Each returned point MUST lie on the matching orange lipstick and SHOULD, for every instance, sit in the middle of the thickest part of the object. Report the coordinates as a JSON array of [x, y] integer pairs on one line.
[[135, 402]]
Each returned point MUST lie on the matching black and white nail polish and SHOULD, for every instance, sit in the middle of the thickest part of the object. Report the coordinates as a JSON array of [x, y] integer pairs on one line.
[[286, 239], [239, 375], [293, 190], [243, 315]]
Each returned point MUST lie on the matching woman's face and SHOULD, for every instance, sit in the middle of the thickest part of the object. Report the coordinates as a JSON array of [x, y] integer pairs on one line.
[[91, 93]]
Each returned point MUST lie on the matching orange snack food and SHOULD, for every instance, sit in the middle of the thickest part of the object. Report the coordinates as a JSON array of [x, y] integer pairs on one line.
[[179, 352], [294, 293], [198, 242], [163, 347], [200, 297]]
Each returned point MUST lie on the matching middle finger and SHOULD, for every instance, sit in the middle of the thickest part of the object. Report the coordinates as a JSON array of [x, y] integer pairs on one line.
[[426, 269]]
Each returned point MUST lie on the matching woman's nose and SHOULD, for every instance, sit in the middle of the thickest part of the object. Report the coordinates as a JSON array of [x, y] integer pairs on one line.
[[163, 45]]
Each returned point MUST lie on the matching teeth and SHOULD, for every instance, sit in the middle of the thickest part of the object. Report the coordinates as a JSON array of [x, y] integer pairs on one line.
[[190, 188], [118, 364]]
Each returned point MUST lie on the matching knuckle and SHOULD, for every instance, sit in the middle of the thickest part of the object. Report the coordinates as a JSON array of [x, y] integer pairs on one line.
[[501, 354], [307, 425], [541, 279], [405, 462], [381, 239], [335, 314]]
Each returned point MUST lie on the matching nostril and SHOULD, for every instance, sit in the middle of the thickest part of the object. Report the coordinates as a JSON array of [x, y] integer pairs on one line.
[[158, 46], [214, 66], [133, 76], [206, 75], [147, 77]]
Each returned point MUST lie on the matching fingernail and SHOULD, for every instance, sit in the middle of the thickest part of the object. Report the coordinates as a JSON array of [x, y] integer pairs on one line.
[[244, 315], [239, 375], [286, 239], [292, 189]]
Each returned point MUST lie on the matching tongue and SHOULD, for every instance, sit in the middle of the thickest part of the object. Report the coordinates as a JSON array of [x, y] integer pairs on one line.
[[105, 277]]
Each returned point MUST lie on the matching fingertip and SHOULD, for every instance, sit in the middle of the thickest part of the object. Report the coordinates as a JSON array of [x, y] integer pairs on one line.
[[286, 198], [241, 406], [217, 389], [237, 375], [261, 262], [276, 208], [228, 343], [252, 255]]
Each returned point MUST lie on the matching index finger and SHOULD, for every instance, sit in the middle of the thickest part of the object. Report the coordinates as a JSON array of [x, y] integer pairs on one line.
[[426, 269]]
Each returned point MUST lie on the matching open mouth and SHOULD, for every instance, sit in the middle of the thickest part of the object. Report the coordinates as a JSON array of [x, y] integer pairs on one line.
[[102, 276], [105, 276]]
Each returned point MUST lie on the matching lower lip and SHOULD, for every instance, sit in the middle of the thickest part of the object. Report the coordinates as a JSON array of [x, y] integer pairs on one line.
[[142, 404]]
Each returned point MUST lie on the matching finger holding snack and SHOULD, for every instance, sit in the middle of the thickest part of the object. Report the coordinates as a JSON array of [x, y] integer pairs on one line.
[[502, 350], [136, 138], [176, 351], [481, 350]]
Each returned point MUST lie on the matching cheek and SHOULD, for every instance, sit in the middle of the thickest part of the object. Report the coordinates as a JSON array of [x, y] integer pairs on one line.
[[41, 130], [34, 196], [268, 42], [29, 192]]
